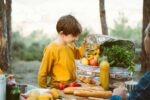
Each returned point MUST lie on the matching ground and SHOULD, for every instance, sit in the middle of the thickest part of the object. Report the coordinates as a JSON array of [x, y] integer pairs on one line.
[[26, 71]]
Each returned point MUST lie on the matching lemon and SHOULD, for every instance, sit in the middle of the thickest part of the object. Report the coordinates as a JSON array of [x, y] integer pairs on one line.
[[55, 92], [84, 61], [34, 94], [45, 96]]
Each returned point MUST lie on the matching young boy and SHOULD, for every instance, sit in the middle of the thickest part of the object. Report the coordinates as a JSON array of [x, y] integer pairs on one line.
[[58, 61]]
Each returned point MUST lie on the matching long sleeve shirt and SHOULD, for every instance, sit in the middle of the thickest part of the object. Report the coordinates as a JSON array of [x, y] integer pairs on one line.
[[59, 64]]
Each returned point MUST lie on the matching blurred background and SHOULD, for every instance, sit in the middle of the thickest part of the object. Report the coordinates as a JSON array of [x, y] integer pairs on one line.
[[34, 22]]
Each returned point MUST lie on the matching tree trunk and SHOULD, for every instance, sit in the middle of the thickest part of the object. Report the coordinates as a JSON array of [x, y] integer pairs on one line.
[[4, 58], [103, 17], [145, 63], [9, 33]]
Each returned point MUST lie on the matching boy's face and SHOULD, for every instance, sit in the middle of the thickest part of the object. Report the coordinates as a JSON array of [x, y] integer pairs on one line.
[[70, 38]]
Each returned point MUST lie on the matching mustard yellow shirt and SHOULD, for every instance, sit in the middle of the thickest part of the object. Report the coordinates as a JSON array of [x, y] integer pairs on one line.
[[59, 64]]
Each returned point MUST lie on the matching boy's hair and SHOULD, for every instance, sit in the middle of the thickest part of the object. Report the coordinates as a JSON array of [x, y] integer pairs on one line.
[[69, 25], [147, 30]]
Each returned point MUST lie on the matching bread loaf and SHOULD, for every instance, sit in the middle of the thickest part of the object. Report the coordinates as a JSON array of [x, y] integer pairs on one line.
[[88, 91], [70, 90], [84, 79], [97, 94]]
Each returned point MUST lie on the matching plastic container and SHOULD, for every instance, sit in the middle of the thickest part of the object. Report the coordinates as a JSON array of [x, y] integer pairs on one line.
[[130, 85], [2, 87]]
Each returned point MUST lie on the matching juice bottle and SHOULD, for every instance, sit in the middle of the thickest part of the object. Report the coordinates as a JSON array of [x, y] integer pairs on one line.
[[104, 74]]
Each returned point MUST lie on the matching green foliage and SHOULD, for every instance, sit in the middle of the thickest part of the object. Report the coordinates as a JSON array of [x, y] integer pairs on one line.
[[121, 29], [131, 69], [30, 47], [119, 56]]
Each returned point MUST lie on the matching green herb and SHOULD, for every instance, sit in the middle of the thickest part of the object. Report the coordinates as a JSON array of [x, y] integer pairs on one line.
[[131, 69], [118, 56], [15, 90]]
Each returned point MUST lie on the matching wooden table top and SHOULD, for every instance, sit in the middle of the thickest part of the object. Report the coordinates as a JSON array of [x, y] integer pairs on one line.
[[72, 97]]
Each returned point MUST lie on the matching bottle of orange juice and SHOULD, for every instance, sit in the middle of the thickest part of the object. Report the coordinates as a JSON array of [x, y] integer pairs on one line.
[[104, 74]]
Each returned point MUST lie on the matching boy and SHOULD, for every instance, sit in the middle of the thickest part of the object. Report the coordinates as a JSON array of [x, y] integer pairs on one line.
[[59, 57]]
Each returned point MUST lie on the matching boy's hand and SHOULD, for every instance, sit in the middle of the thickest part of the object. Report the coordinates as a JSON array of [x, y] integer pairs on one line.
[[84, 43], [121, 91]]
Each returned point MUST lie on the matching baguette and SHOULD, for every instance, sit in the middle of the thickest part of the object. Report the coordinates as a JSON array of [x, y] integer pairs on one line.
[[70, 90], [97, 94], [95, 88]]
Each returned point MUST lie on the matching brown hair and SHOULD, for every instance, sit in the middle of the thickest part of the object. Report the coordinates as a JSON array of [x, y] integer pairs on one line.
[[147, 30], [69, 25]]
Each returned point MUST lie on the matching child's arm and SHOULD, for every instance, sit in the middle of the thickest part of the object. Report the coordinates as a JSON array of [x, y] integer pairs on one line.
[[45, 67], [79, 52]]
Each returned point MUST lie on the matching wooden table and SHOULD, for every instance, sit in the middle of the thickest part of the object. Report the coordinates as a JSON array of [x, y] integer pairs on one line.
[[72, 97], [67, 97]]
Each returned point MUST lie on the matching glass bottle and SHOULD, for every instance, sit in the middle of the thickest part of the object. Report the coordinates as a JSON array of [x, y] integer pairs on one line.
[[104, 74]]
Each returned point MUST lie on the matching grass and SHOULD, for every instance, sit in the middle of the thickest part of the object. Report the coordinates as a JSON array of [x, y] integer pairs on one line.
[[26, 71]]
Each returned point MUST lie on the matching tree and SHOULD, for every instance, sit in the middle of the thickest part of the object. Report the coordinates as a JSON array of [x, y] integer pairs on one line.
[[8, 17], [103, 17], [145, 63], [4, 57]]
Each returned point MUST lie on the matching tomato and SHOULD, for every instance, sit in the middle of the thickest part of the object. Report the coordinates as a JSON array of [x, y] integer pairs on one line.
[[74, 84], [78, 85], [61, 86]]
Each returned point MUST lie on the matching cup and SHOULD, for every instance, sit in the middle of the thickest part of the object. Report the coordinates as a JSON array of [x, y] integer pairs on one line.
[[130, 85], [23, 88]]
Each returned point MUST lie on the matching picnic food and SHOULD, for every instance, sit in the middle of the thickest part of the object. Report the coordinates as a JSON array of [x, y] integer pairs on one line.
[[88, 91], [54, 92], [70, 90], [98, 94], [84, 61], [33, 95], [32, 98], [104, 74], [91, 56], [74, 84], [45, 96], [62, 85], [84, 79], [93, 62]]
